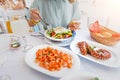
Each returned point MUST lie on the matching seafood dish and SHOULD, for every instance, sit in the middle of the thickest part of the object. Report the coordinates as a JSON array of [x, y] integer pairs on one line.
[[53, 59], [86, 49]]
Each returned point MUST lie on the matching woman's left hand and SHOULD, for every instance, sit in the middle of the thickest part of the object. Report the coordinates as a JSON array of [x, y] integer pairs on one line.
[[74, 25]]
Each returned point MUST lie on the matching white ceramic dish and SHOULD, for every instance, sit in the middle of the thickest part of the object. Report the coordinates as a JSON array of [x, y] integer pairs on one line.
[[30, 57], [45, 34], [113, 62], [81, 76], [59, 43]]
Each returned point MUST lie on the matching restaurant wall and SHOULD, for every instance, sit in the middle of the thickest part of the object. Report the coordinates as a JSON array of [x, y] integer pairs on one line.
[[109, 9]]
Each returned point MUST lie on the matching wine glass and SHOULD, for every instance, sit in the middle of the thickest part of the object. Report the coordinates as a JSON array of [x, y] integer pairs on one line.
[[95, 23], [20, 27], [103, 20]]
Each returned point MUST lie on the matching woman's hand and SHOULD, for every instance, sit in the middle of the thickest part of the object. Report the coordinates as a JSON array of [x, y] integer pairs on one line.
[[74, 25], [34, 13], [34, 17]]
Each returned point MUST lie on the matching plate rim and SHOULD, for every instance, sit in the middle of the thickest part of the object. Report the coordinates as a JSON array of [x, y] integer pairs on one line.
[[52, 43], [93, 59], [84, 73], [49, 73]]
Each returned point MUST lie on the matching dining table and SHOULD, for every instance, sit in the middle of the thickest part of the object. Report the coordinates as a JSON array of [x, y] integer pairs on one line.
[[16, 68]]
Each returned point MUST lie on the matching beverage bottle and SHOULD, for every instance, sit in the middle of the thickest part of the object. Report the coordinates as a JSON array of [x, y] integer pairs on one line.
[[8, 26]]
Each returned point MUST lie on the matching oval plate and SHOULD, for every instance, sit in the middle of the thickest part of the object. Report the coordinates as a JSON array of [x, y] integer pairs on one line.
[[113, 62], [30, 57]]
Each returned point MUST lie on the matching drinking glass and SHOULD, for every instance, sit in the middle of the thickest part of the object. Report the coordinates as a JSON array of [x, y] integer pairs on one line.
[[103, 20]]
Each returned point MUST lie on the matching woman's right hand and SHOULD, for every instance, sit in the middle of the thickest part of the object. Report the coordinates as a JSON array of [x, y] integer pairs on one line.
[[34, 17], [34, 13]]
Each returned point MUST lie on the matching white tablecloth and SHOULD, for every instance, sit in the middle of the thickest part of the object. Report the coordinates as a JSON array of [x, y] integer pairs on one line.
[[17, 69]]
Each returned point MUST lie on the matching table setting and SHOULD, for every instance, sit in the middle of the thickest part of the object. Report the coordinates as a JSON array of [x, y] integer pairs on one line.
[[24, 65]]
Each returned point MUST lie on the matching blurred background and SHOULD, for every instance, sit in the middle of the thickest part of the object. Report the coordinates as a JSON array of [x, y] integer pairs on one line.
[[108, 9]]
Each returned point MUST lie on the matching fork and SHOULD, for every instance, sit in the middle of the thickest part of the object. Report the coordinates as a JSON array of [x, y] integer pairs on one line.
[[47, 25]]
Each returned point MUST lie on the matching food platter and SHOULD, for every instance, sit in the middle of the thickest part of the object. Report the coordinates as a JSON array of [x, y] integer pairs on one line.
[[58, 39], [113, 62], [30, 61], [60, 43]]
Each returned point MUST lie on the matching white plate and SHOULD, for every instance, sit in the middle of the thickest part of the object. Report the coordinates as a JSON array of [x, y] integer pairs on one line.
[[113, 62], [30, 57], [45, 34], [81, 76], [59, 43]]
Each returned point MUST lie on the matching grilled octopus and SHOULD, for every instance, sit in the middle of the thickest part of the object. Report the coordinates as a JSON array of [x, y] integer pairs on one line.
[[85, 49]]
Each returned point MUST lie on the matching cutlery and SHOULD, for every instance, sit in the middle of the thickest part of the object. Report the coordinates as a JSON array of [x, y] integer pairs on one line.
[[48, 26]]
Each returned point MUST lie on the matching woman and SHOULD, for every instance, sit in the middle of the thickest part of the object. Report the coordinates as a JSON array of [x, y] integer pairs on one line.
[[56, 13]]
